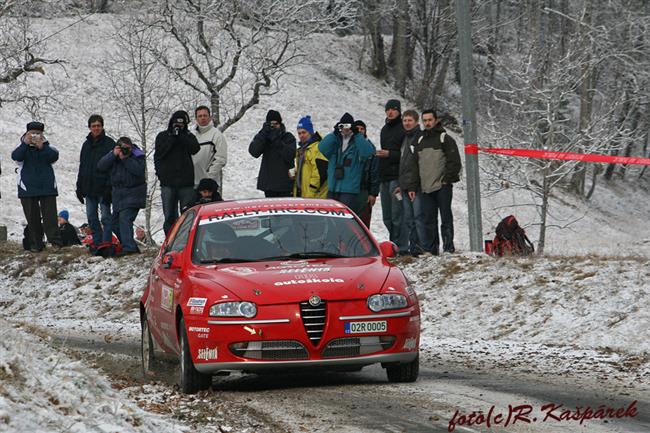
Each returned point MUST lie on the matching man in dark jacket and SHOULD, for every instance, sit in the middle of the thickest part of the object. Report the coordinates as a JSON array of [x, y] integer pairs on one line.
[[277, 147], [93, 186], [439, 168], [37, 185], [69, 234], [125, 163], [409, 185], [174, 167], [369, 188], [391, 138], [347, 152]]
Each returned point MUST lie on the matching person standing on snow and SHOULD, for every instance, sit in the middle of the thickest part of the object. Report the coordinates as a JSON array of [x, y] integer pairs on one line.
[[126, 165], [347, 153], [174, 166], [93, 186], [37, 189], [212, 157], [369, 189], [277, 147], [311, 165]]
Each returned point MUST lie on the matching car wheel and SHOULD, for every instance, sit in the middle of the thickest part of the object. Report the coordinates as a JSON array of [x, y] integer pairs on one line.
[[407, 372], [191, 380], [146, 350]]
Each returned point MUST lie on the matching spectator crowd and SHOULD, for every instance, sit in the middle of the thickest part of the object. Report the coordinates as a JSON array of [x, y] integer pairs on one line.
[[412, 170]]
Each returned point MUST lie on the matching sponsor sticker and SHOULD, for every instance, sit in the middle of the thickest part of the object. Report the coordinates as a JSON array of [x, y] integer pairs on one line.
[[309, 281], [305, 270], [199, 329], [166, 298], [207, 354], [239, 270], [197, 302], [196, 310], [247, 213]]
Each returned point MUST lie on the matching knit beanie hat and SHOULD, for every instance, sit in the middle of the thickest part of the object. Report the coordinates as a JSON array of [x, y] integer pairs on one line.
[[273, 115], [305, 123], [394, 103], [346, 118], [64, 214]]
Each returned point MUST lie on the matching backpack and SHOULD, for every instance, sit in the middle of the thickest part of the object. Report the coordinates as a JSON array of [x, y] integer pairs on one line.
[[511, 239]]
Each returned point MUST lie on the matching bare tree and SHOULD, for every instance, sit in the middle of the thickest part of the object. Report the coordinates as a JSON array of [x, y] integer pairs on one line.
[[232, 52]]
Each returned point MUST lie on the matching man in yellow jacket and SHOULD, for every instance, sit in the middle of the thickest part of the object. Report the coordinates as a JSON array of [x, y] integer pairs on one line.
[[311, 165]]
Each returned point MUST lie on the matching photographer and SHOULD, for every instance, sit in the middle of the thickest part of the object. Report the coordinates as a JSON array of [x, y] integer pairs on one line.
[[174, 167], [347, 151], [125, 164], [37, 186], [277, 147]]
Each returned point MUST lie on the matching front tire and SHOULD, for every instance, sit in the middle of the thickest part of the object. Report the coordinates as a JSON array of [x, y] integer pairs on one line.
[[146, 350], [404, 373], [191, 380]]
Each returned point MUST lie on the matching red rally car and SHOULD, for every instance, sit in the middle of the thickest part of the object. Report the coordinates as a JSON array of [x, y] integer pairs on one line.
[[285, 283]]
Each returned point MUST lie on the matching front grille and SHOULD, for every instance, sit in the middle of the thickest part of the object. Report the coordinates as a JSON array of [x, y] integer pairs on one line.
[[275, 350], [314, 320], [355, 346]]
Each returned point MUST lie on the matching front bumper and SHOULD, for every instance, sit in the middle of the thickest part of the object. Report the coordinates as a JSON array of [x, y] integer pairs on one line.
[[210, 368]]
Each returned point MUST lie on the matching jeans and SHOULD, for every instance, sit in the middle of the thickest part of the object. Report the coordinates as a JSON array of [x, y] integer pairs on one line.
[[347, 198], [391, 210], [125, 219], [434, 202], [101, 232], [171, 197], [414, 224]]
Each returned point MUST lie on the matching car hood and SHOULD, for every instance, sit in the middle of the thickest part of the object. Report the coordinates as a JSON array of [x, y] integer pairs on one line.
[[294, 281]]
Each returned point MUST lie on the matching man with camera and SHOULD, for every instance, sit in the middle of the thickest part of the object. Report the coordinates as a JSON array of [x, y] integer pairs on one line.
[[125, 165], [174, 166], [37, 189], [347, 152], [277, 147], [93, 186]]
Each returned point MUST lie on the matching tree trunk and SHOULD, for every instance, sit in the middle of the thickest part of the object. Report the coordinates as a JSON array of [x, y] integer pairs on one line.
[[379, 69], [543, 214], [493, 42], [400, 52]]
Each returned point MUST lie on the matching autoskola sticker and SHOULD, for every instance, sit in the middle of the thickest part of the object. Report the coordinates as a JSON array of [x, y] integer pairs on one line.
[[207, 354], [240, 213], [304, 270], [197, 302], [166, 298], [309, 281]]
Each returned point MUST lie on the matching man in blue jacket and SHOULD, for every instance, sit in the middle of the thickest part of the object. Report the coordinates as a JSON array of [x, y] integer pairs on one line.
[[126, 164], [93, 186], [37, 186], [347, 152]]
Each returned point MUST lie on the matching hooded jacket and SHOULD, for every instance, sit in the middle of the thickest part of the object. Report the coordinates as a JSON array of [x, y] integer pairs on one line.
[[352, 160], [35, 172], [391, 137], [409, 174], [212, 156], [173, 154], [90, 181], [277, 147], [129, 186], [439, 162], [311, 170]]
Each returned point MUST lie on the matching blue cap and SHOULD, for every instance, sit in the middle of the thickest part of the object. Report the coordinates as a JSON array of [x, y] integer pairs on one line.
[[64, 214], [305, 123]]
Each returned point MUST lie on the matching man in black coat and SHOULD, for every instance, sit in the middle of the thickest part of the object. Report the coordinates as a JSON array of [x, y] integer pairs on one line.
[[391, 138], [277, 147], [93, 186], [174, 167]]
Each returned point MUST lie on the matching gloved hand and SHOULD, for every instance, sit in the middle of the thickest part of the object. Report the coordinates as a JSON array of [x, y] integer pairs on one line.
[[80, 196], [107, 197]]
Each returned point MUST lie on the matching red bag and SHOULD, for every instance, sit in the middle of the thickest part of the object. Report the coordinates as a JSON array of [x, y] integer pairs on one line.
[[511, 239]]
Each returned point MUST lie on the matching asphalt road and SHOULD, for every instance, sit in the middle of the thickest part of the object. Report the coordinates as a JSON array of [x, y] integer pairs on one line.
[[316, 401]]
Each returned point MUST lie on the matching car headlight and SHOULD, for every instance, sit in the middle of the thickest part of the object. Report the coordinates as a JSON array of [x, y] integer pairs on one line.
[[391, 301], [234, 309]]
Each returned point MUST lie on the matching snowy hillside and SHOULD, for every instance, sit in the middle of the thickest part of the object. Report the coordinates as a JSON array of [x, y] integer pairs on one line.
[[614, 222]]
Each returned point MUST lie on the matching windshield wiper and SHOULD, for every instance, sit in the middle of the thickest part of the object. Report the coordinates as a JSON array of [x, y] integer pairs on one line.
[[226, 260], [305, 255]]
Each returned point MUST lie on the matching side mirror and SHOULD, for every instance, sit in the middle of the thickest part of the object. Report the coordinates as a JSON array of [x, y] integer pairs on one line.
[[171, 261], [388, 249]]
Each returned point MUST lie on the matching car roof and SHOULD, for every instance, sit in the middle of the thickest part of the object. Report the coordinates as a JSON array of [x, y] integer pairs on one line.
[[269, 203]]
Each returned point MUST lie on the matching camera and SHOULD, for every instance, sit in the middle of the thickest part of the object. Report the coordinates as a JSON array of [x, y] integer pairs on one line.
[[339, 172], [35, 135], [125, 150]]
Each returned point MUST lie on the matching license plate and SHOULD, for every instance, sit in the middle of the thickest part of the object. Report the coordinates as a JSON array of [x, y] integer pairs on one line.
[[364, 327]]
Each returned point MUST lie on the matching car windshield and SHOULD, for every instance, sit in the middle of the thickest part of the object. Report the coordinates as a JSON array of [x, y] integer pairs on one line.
[[236, 237]]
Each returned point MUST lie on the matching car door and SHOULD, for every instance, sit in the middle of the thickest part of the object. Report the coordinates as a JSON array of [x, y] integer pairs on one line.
[[170, 278]]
